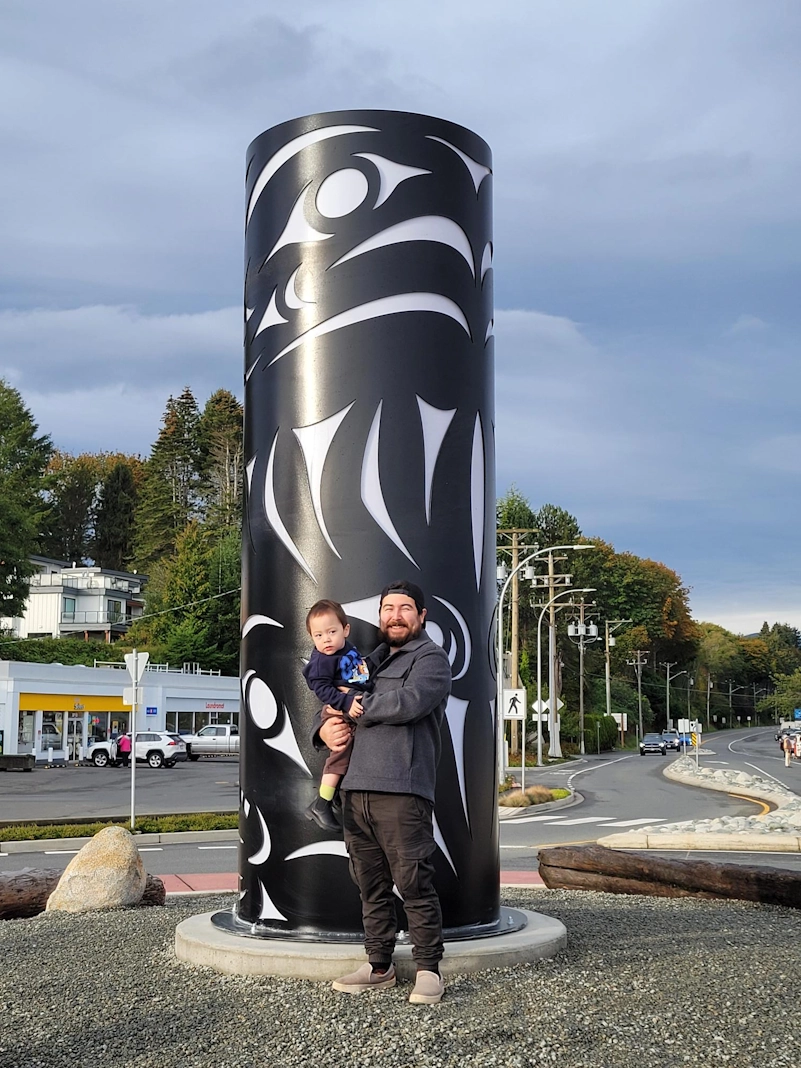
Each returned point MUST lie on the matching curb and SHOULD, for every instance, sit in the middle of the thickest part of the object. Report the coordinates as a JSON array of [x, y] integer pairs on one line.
[[165, 838], [506, 814], [694, 841], [712, 841]]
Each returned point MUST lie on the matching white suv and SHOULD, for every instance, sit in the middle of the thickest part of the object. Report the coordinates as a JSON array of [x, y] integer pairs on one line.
[[156, 748]]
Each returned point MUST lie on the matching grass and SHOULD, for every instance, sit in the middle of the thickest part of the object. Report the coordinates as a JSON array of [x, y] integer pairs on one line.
[[195, 821], [532, 795]]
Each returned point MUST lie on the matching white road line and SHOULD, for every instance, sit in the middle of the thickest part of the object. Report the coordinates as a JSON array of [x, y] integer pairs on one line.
[[60, 852], [761, 772], [584, 819], [595, 767], [150, 849], [218, 847], [634, 823], [533, 819], [3, 854], [519, 847]]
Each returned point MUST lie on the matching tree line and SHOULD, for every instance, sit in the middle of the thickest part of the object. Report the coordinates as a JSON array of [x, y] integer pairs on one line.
[[726, 677], [175, 516]]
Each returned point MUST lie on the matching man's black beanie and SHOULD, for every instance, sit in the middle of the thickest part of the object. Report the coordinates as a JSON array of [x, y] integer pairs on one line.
[[405, 587]]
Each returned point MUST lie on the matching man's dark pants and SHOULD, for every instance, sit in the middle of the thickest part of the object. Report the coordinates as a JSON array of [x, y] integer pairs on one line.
[[390, 839]]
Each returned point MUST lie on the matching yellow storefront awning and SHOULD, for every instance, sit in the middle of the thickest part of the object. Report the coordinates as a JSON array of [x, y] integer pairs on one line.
[[70, 702]]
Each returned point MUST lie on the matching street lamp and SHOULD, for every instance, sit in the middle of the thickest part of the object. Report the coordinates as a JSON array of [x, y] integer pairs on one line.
[[668, 679], [582, 634], [506, 577], [554, 749]]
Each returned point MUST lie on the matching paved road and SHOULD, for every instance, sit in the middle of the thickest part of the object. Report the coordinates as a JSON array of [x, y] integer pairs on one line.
[[207, 785], [625, 791], [620, 790]]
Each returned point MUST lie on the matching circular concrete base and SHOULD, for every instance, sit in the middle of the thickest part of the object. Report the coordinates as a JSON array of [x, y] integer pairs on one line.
[[197, 941]]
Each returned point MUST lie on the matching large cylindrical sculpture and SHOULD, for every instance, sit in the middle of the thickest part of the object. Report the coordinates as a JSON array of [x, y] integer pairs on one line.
[[369, 457]]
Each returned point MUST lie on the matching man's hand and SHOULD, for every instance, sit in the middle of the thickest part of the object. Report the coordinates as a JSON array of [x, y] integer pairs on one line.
[[356, 709], [335, 733]]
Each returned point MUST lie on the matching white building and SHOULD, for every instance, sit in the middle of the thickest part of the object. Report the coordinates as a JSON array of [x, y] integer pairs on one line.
[[88, 602], [41, 705]]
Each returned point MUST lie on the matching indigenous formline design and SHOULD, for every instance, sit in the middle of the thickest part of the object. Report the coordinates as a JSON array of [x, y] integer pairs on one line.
[[369, 456]]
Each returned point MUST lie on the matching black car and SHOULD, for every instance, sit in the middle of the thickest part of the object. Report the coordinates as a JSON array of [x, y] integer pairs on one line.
[[653, 743]]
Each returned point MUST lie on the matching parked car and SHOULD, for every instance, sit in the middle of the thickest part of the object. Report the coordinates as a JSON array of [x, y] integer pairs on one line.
[[50, 737], [672, 739], [653, 743], [218, 739], [156, 748]]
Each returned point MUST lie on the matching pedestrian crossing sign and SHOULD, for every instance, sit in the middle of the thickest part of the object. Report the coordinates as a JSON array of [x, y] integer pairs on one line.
[[514, 704]]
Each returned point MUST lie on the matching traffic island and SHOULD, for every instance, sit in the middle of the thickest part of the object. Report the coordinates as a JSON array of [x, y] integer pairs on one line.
[[775, 830], [198, 941]]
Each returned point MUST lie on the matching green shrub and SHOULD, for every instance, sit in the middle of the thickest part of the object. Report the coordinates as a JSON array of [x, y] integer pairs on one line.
[[194, 821]]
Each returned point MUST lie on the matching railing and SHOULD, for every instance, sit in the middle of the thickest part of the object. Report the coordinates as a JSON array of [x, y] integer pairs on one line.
[[83, 618], [86, 582], [185, 669]]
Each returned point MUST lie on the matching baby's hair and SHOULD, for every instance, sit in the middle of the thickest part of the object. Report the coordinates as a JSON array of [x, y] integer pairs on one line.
[[321, 608]]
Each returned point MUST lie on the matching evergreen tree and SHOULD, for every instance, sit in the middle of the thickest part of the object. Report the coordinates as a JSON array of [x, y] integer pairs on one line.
[[221, 449], [72, 483], [24, 455], [114, 523], [169, 495]]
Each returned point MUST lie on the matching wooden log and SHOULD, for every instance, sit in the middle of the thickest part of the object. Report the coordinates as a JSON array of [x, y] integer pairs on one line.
[[615, 871], [25, 893]]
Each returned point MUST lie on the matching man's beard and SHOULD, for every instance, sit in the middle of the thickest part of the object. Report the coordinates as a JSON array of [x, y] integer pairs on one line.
[[395, 641]]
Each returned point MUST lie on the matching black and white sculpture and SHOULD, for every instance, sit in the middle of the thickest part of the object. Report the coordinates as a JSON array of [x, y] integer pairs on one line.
[[369, 452]]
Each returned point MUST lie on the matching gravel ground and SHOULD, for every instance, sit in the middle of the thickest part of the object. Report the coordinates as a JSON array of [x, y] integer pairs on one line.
[[644, 982]]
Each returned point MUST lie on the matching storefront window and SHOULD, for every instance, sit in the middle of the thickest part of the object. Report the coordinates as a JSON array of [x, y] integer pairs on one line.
[[25, 732], [52, 730], [185, 724], [120, 723]]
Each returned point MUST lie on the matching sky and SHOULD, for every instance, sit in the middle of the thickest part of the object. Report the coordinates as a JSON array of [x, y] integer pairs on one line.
[[647, 166]]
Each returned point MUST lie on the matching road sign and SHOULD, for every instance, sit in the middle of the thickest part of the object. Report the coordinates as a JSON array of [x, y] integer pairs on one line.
[[514, 704], [797, 713], [545, 706], [136, 664], [694, 738], [132, 695], [151, 711]]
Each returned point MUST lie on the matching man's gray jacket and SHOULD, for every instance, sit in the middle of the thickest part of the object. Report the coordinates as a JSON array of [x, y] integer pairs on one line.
[[396, 744]]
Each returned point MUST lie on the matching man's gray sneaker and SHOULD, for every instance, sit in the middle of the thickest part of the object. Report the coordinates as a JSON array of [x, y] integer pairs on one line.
[[428, 989], [364, 979]]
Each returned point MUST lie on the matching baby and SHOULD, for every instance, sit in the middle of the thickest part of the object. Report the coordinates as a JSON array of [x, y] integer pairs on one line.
[[336, 673]]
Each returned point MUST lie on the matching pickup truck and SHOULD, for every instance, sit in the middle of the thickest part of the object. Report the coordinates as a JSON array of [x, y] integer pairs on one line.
[[218, 739]]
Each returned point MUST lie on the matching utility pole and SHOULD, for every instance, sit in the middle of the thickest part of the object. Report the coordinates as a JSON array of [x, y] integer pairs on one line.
[[731, 691], [709, 685], [638, 665], [585, 633], [610, 626], [517, 545]]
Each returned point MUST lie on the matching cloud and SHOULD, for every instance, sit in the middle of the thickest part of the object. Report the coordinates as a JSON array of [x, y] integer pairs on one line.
[[98, 377], [745, 324]]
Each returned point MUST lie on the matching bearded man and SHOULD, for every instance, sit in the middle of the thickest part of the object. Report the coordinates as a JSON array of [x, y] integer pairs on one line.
[[388, 793]]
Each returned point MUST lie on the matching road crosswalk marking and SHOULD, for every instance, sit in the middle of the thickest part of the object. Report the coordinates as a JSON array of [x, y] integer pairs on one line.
[[632, 823], [584, 819], [563, 821]]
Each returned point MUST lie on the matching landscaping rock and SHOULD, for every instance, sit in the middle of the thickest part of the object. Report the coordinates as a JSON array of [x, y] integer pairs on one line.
[[107, 873]]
